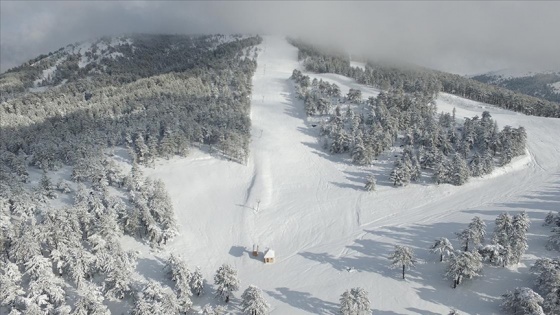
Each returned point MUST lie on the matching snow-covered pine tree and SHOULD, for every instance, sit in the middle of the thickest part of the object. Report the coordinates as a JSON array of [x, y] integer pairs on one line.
[[63, 186], [463, 264], [46, 189], [479, 230], [487, 162], [90, 301], [549, 220], [522, 301], [11, 291], [178, 271], [443, 247], [156, 299], [465, 236], [402, 257], [197, 282], [554, 239], [400, 176], [209, 310], [253, 302], [354, 96], [548, 282], [361, 154], [551, 303], [502, 232], [518, 237], [441, 171], [46, 290], [475, 166], [460, 173], [227, 281], [370, 183], [494, 253], [355, 302], [26, 244]]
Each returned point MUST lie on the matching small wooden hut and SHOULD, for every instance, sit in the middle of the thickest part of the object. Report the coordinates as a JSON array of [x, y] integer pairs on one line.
[[269, 257]]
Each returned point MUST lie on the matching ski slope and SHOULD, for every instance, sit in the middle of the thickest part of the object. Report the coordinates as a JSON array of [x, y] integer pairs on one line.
[[328, 233]]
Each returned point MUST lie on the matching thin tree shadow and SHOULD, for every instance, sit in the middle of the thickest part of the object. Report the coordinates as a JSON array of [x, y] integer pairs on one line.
[[304, 301]]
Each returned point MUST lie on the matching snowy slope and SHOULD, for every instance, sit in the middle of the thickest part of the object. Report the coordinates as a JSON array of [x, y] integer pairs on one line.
[[330, 235]]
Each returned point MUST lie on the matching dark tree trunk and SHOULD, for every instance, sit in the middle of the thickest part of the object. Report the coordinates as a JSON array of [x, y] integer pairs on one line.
[[441, 258], [403, 271]]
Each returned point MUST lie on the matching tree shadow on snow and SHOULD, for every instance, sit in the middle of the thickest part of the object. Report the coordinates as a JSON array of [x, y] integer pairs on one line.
[[152, 269], [304, 301], [421, 312], [429, 272]]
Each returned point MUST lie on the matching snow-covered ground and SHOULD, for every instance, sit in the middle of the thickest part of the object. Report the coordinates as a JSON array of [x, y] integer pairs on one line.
[[328, 233]]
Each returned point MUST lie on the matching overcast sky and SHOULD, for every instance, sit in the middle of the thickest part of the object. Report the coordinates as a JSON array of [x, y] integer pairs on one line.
[[461, 37]]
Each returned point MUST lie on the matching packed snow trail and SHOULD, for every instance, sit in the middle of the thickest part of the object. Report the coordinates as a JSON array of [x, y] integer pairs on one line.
[[310, 207]]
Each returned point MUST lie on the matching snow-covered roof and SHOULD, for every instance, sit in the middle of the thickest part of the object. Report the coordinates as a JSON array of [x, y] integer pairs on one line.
[[269, 254]]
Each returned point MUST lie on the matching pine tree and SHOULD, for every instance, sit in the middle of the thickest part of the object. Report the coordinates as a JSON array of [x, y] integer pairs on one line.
[[473, 234], [227, 281], [370, 183], [209, 310], [11, 292], [475, 165], [253, 301], [463, 264], [441, 172], [518, 237], [460, 170], [402, 257], [400, 176], [550, 219], [46, 188], [442, 247], [156, 299], [355, 302], [503, 230], [548, 282], [554, 239], [522, 301], [197, 282], [494, 253], [178, 271], [479, 231], [90, 302]]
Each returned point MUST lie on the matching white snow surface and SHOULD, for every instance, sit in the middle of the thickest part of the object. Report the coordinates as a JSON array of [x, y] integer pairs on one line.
[[311, 208]]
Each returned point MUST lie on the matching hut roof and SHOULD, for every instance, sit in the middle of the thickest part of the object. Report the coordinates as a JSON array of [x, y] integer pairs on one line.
[[269, 254]]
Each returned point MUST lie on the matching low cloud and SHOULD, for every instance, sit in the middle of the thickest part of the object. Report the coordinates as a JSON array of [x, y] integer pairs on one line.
[[460, 37]]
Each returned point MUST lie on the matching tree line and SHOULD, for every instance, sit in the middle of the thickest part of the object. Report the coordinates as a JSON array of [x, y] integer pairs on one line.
[[413, 79], [432, 143]]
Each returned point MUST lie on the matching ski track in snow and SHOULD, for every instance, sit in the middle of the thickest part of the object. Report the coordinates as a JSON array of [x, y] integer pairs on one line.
[[313, 211]]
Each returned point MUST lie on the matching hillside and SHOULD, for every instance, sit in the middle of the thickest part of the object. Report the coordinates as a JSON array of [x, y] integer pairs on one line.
[[544, 85], [330, 235], [287, 193]]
